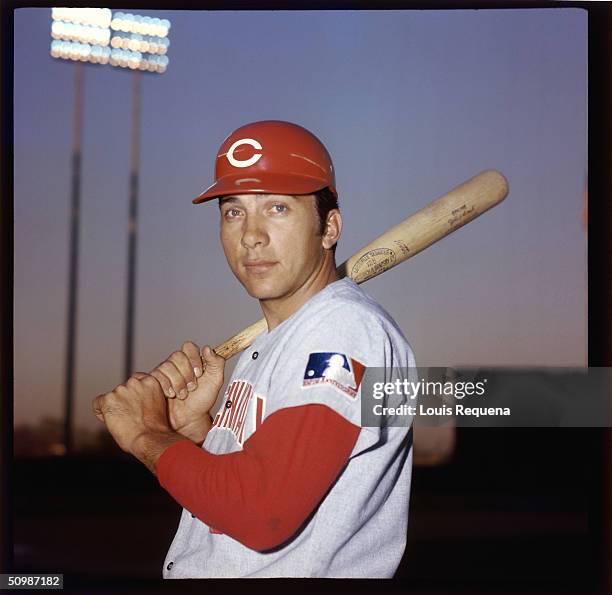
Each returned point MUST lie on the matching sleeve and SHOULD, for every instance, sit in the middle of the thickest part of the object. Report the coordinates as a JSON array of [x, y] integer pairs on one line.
[[262, 495], [330, 361]]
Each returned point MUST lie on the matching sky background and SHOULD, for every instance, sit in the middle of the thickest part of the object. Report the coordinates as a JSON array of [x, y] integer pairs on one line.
[[409, 104]]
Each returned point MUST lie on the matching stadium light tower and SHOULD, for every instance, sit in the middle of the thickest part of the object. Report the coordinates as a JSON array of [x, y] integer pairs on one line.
[[123, 40]]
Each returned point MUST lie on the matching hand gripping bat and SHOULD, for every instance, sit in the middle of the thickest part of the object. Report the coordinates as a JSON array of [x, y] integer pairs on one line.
[[415, 233]]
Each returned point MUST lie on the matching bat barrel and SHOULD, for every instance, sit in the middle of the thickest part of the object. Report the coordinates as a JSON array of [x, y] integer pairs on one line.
[[427, 226]]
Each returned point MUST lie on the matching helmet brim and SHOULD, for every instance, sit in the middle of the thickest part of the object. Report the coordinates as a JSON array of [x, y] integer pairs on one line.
[[262, 183]]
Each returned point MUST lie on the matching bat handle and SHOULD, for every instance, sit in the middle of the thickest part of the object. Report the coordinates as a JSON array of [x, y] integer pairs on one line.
[[341, 270], [242, 340]]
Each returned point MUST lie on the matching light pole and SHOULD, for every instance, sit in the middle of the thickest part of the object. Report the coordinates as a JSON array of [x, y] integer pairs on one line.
[[133, 35], [136, 42], [86, 25], [132, 227], [75, 215]]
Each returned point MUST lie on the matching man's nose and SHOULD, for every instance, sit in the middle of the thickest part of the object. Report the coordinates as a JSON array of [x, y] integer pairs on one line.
[[254, 233]]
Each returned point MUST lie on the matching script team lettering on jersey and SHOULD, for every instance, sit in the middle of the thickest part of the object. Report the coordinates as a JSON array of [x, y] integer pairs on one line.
[[233, 413]]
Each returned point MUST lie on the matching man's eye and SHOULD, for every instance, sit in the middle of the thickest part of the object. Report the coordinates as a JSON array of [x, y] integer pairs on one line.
[[279, 208], [231, 213]]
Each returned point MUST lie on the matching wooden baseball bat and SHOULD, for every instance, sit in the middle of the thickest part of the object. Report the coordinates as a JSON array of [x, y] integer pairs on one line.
[[415, 233]]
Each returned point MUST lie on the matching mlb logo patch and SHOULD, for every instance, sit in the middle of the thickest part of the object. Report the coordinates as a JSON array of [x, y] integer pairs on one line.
[[342, 372]]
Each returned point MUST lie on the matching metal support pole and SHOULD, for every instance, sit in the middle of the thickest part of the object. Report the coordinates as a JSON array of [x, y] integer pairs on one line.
[[132, 224], [73, 257]]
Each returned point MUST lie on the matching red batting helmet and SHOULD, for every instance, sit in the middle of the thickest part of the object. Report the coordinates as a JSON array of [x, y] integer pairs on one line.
[[271, 157]]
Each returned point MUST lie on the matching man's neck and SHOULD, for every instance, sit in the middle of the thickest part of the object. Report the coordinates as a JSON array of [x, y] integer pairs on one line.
[[278, 310]]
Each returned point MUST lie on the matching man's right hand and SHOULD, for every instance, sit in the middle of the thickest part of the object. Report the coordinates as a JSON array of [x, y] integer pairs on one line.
[[191, 380]]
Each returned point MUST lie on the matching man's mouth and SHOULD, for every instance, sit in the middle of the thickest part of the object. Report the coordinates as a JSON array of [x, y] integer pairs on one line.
[[258, 266]]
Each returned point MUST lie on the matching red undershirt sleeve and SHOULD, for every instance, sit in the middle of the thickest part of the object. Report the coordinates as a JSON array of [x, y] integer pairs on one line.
[[262, 494]]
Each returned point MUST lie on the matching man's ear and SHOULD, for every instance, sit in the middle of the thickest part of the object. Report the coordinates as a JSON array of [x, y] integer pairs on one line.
[[333, 229]]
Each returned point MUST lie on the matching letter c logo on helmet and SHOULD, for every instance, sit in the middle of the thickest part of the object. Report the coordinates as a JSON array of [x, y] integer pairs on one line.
[[246, 162], [295, 162]]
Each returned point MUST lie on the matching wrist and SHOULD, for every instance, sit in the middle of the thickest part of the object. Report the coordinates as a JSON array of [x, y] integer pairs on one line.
[[148, 446]]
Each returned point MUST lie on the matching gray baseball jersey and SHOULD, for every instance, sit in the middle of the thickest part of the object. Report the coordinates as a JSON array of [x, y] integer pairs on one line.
[[316, 356]]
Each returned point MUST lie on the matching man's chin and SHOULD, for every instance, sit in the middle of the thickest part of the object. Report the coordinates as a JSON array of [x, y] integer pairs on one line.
[[261, 291]]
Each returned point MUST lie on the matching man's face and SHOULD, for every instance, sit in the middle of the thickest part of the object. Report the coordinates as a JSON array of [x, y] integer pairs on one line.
[[272, 242]]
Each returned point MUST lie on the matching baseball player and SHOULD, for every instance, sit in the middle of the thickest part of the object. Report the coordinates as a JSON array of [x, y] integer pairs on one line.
[[284, 481]]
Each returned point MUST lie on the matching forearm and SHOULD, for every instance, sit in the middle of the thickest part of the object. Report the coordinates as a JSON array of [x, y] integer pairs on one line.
[[261, 494], [149, 446]]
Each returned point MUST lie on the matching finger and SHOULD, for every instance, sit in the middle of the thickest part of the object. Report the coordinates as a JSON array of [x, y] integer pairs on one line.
[[97, 405], [214, 364], [210, 358], [133, 384], [175, 377], [192, 351], [121, 389], [164, 383], [141, 376], [185, 367], [152, 385]]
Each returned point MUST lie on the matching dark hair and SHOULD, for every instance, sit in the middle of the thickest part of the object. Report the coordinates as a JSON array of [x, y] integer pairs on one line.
[[325, 201]]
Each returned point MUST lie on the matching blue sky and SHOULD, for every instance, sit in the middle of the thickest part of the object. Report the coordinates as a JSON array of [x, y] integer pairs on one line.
[[409, 104]]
